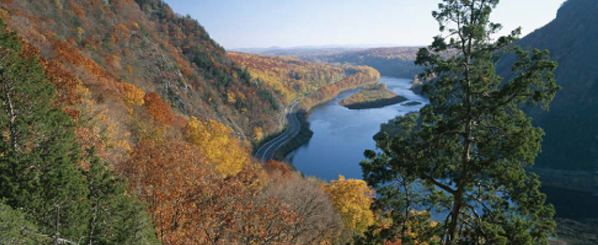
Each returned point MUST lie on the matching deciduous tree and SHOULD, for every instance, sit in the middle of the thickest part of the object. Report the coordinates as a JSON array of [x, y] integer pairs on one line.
[[352, 199]]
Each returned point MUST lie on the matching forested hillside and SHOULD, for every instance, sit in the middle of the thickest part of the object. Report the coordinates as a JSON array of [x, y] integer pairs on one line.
[[394, 62], [291, 78], [571, 140], [288, 77], [121, 121], [146, 44]]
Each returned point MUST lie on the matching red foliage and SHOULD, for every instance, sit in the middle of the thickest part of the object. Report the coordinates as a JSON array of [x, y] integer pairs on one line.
[[274, 166], [158, 109]]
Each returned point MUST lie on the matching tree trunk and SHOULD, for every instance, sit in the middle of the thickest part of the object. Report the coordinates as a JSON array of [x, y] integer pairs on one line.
[[457, 204]]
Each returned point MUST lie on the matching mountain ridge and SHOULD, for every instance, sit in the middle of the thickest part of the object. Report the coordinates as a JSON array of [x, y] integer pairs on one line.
[[571, 140]]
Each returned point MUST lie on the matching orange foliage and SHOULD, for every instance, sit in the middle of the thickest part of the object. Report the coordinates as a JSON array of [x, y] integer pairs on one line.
[[274, 166], [66, 53], [397, 242], [191, 205], [158, 109], [70, 89]]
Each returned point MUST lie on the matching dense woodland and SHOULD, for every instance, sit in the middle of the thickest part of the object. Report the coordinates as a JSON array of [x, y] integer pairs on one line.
[[288, 77], [292, 78], [126, 124], [146, 44], [180, 180], [123, 122]]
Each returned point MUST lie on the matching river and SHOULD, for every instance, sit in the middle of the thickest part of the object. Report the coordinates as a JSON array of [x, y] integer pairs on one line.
[[342, 135]]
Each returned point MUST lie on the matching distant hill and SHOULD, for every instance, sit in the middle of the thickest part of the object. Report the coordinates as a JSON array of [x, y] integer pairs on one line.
[[290, 78], [571, 125], [389, 61], [298, 52], [394, 62]]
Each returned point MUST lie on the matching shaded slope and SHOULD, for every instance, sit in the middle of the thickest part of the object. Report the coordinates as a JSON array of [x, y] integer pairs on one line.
[[571, 140]]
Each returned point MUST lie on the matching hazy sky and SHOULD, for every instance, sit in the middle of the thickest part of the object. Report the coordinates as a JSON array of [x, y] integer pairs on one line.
[[288, 23]]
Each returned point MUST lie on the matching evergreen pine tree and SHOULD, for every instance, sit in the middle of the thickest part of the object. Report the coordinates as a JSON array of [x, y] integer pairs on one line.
[[467, 150], [38, 171], [115, 217], [40, 176]]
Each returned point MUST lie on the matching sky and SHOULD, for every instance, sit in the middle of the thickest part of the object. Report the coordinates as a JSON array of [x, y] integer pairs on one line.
[[292, 23]]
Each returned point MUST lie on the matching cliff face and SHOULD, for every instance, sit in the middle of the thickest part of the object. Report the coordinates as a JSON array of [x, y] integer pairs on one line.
[[571, 140], [144, 43]]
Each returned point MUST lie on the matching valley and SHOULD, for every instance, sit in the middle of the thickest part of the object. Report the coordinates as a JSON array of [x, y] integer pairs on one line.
[[125, 122]]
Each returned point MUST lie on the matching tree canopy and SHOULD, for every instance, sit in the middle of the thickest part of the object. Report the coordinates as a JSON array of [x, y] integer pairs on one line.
[[464, 155]]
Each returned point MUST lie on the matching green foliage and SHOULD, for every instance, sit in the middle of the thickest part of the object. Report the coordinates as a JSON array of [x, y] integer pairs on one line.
[[39, 168], [114, 217], [15, 229], [464, 155], [372, 96]]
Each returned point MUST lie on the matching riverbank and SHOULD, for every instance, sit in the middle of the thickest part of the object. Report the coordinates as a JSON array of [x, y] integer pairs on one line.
[[566, 179], [575, 232], [300, 139], [360, 76], [370, 97]]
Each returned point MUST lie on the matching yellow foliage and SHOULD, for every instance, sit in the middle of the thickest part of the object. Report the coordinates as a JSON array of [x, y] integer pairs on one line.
[[419, 221], [217, 145], [259, 133], [80, 33], [352, 198], [4, 14], [132, 94], [288, 77], [135, 26], [231, 98]]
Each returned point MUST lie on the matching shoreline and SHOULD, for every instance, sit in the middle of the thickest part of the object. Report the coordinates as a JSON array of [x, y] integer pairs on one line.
[[376, 103]]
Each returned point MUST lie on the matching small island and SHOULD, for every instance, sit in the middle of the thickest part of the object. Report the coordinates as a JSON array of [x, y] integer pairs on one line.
[[412, 103], [373, 96]]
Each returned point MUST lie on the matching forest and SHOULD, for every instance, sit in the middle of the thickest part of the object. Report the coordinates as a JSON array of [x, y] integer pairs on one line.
[[124, 122], [96, 149]]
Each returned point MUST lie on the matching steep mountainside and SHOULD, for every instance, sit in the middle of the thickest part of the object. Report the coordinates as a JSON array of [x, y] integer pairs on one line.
[[117, 123], [144, 43], [571, 140]]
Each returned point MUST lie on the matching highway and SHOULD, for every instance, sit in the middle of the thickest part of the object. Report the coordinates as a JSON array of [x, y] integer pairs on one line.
[[266, 151]]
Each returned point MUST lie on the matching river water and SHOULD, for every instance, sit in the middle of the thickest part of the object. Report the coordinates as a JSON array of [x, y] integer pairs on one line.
[[342, 135]]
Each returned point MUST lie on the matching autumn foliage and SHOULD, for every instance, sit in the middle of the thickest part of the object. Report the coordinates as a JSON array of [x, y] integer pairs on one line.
[[288, 77], [352, 198], [192, 204], [149, 93], [158, 109], [359, 76], [218, 146]]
